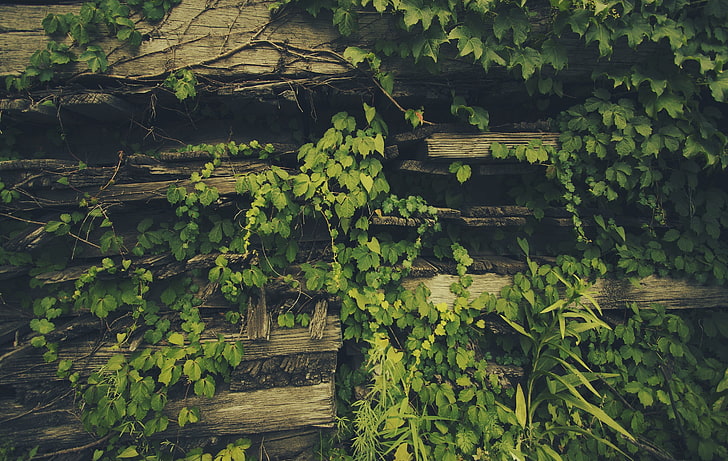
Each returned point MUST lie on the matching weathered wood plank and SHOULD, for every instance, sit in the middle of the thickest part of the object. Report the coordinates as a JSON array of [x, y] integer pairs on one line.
[[490, 169], [100, 107], [227, 38], [473, 146], [27, 366], [317, 326], [229, 413], [609, 294], [282, 371], [258, 325], [31, 174], [483, 216], [115, 194]]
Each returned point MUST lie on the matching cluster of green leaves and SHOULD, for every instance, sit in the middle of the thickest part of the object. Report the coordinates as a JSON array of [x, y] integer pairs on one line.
[[165, 333], [671, 380], [340, 183], [127, 395], [75, 36], [183, 84], [434, 395], [649, 139]]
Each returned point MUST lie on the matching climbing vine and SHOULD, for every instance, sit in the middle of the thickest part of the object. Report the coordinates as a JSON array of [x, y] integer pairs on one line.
[[645, 139]]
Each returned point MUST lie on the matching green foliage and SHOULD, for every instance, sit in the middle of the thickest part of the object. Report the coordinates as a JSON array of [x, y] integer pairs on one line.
[[669, 374], [95, 19], [183, 84], [648, 140]]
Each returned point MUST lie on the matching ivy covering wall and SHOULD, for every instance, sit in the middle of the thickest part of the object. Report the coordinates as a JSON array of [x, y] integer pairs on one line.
[[645, 139]]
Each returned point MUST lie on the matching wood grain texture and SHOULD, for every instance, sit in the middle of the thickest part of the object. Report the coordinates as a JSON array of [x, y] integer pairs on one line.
[[79, 343], [495, 168], [223, 38], [317, 325], [258, 319], [609, 294], [475, 146], [229, 413]]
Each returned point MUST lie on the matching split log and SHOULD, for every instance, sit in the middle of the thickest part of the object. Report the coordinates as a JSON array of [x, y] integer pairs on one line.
[[317, 326], [224, 39], [258, 326]]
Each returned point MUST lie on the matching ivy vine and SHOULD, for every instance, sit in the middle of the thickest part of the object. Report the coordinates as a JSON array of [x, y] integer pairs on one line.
[[646, 139]]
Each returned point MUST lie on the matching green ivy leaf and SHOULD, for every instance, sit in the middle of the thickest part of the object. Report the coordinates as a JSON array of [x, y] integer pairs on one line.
[[42, 326], [599, 32], [467, 42], [554, 53], [192, 369], [723, 384], [95, 58], [205, 386], [719, 87], [233, 353], [520, 406], [366, 181], [128, 452], [529, 60], [671, 235], [176, 338], [355, 55], [345, 19], [428, 45]]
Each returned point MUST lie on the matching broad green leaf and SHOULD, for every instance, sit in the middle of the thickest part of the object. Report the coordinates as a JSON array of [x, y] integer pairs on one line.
[[463, 173], [192, 369], [671, 235], [428, 45], [516, 327], [346, 21], [355, 56], [529, 60], [671, 104], [521, 409], [369, 113], [128, 452], [719, 87], [176, 338], [599, 32], [366, 181], [205, 386]]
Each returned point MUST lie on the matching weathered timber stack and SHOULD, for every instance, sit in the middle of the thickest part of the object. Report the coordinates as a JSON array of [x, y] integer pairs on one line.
[[280, 395], [263, 77], [430, 157]]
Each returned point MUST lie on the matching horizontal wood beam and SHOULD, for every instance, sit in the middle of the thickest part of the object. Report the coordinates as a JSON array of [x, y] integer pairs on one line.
[[477, 146], [228, 413], [490, 169], [609, 294], [26, 365]]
